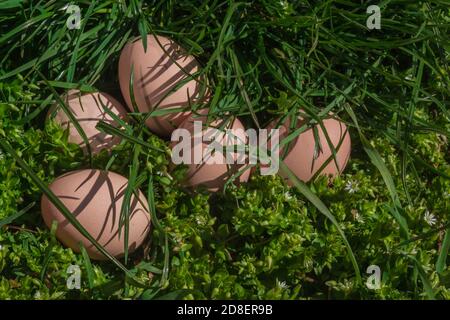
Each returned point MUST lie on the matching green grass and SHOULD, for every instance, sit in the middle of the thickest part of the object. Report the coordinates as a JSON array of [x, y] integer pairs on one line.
[[263, 59]]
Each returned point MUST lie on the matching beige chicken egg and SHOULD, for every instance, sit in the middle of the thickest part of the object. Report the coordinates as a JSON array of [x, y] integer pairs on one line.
[[206, 167], [88, 110], [160, 81], [307, 155], [94, 198]]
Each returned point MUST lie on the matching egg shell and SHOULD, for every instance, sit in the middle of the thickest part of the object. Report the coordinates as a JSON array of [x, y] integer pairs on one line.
[[94, 198], [88, 110], [300, 158], [156, 74], [213, 176]]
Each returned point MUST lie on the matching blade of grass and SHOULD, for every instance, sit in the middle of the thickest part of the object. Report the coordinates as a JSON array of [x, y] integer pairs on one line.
[[126, 204], [303, 188], [151, 203], [378, 162], [87, 266], [49, 250], [428, 288], [13, 217], [165, 274], [107, 128], [443, 253], [73, 60]]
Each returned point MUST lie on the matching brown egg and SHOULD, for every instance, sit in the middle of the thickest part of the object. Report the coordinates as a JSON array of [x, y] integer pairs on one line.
[[156, 75], [88, 110], [205, 173], [304, 160], [95, 199]]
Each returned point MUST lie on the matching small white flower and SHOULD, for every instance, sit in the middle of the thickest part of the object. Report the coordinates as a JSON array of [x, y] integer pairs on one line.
[[287, 195], [37, 295], [282, 284], [178, 240], [429, 218], [200, 220], [284, 4], [352, 186], [357, 216], [446, 193]]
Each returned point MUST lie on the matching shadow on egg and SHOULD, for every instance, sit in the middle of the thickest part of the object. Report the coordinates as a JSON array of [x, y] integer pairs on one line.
[[213, 180], [308, 155], [88, 111], [95, 198], [164, 77], [160, 93], [212, 175]]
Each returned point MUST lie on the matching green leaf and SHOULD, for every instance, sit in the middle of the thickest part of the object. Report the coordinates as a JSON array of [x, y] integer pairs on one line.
[[107, 128], [70, 115], [125, 211], [423, 276], [49, 250], [9, 4], [443, 253], [61, 207], [10, 219]]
